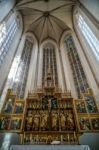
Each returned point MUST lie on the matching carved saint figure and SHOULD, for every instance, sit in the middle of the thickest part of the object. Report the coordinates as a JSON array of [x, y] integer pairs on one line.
[[36, 122], [63, 121], [44, 121], [49, 104], [70, 121], [29, 123], [54, 121]]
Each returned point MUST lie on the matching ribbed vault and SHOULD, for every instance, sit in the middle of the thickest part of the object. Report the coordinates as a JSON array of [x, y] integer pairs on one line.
[[46, 18]]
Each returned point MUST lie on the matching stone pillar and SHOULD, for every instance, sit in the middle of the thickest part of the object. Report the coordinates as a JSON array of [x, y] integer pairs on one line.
[[40, 67], [32, 77]]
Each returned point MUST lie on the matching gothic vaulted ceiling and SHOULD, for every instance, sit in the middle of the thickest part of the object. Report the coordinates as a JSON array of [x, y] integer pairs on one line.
[[46, 18]]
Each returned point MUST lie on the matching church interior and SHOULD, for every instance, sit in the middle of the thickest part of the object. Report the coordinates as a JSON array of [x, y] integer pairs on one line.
[[49, 74]]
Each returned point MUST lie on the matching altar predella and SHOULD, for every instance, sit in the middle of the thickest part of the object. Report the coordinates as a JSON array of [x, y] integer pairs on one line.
[[49, 116]]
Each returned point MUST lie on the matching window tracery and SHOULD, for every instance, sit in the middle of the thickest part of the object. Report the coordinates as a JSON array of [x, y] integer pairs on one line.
[[20, 79], [49, 64], [79, 76], [88, 34], [7, 34]]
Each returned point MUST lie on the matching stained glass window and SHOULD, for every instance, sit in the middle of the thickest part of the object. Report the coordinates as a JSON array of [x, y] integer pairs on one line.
[[49, 61], [79, 76], [20, 79], [7, 34], [88, 34]]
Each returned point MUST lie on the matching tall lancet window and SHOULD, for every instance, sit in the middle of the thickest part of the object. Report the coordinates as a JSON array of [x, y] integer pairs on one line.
[[79, 76], [49, 64], [88, 34], [7, 32], [19, 82]]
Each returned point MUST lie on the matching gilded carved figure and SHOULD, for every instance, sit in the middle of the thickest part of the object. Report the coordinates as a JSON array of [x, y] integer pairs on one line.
[[63, 121], [44, 121], [36, 122], [54, 121], [70, 121]]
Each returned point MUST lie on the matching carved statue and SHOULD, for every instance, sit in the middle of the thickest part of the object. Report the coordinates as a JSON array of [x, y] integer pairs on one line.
[[29, 123], [63, 121], [49, 104], [44, 120], [36, 122], [54, 121], [70, 122]]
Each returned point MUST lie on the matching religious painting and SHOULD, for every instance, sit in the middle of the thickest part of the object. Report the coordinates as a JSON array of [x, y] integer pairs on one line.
[[54, 120], [8, 108], [4, 122], [16, 123], [84, 124], [19, 107], [80, 106], [36, 121], [44, 126], [95, 123], [91, 106]]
